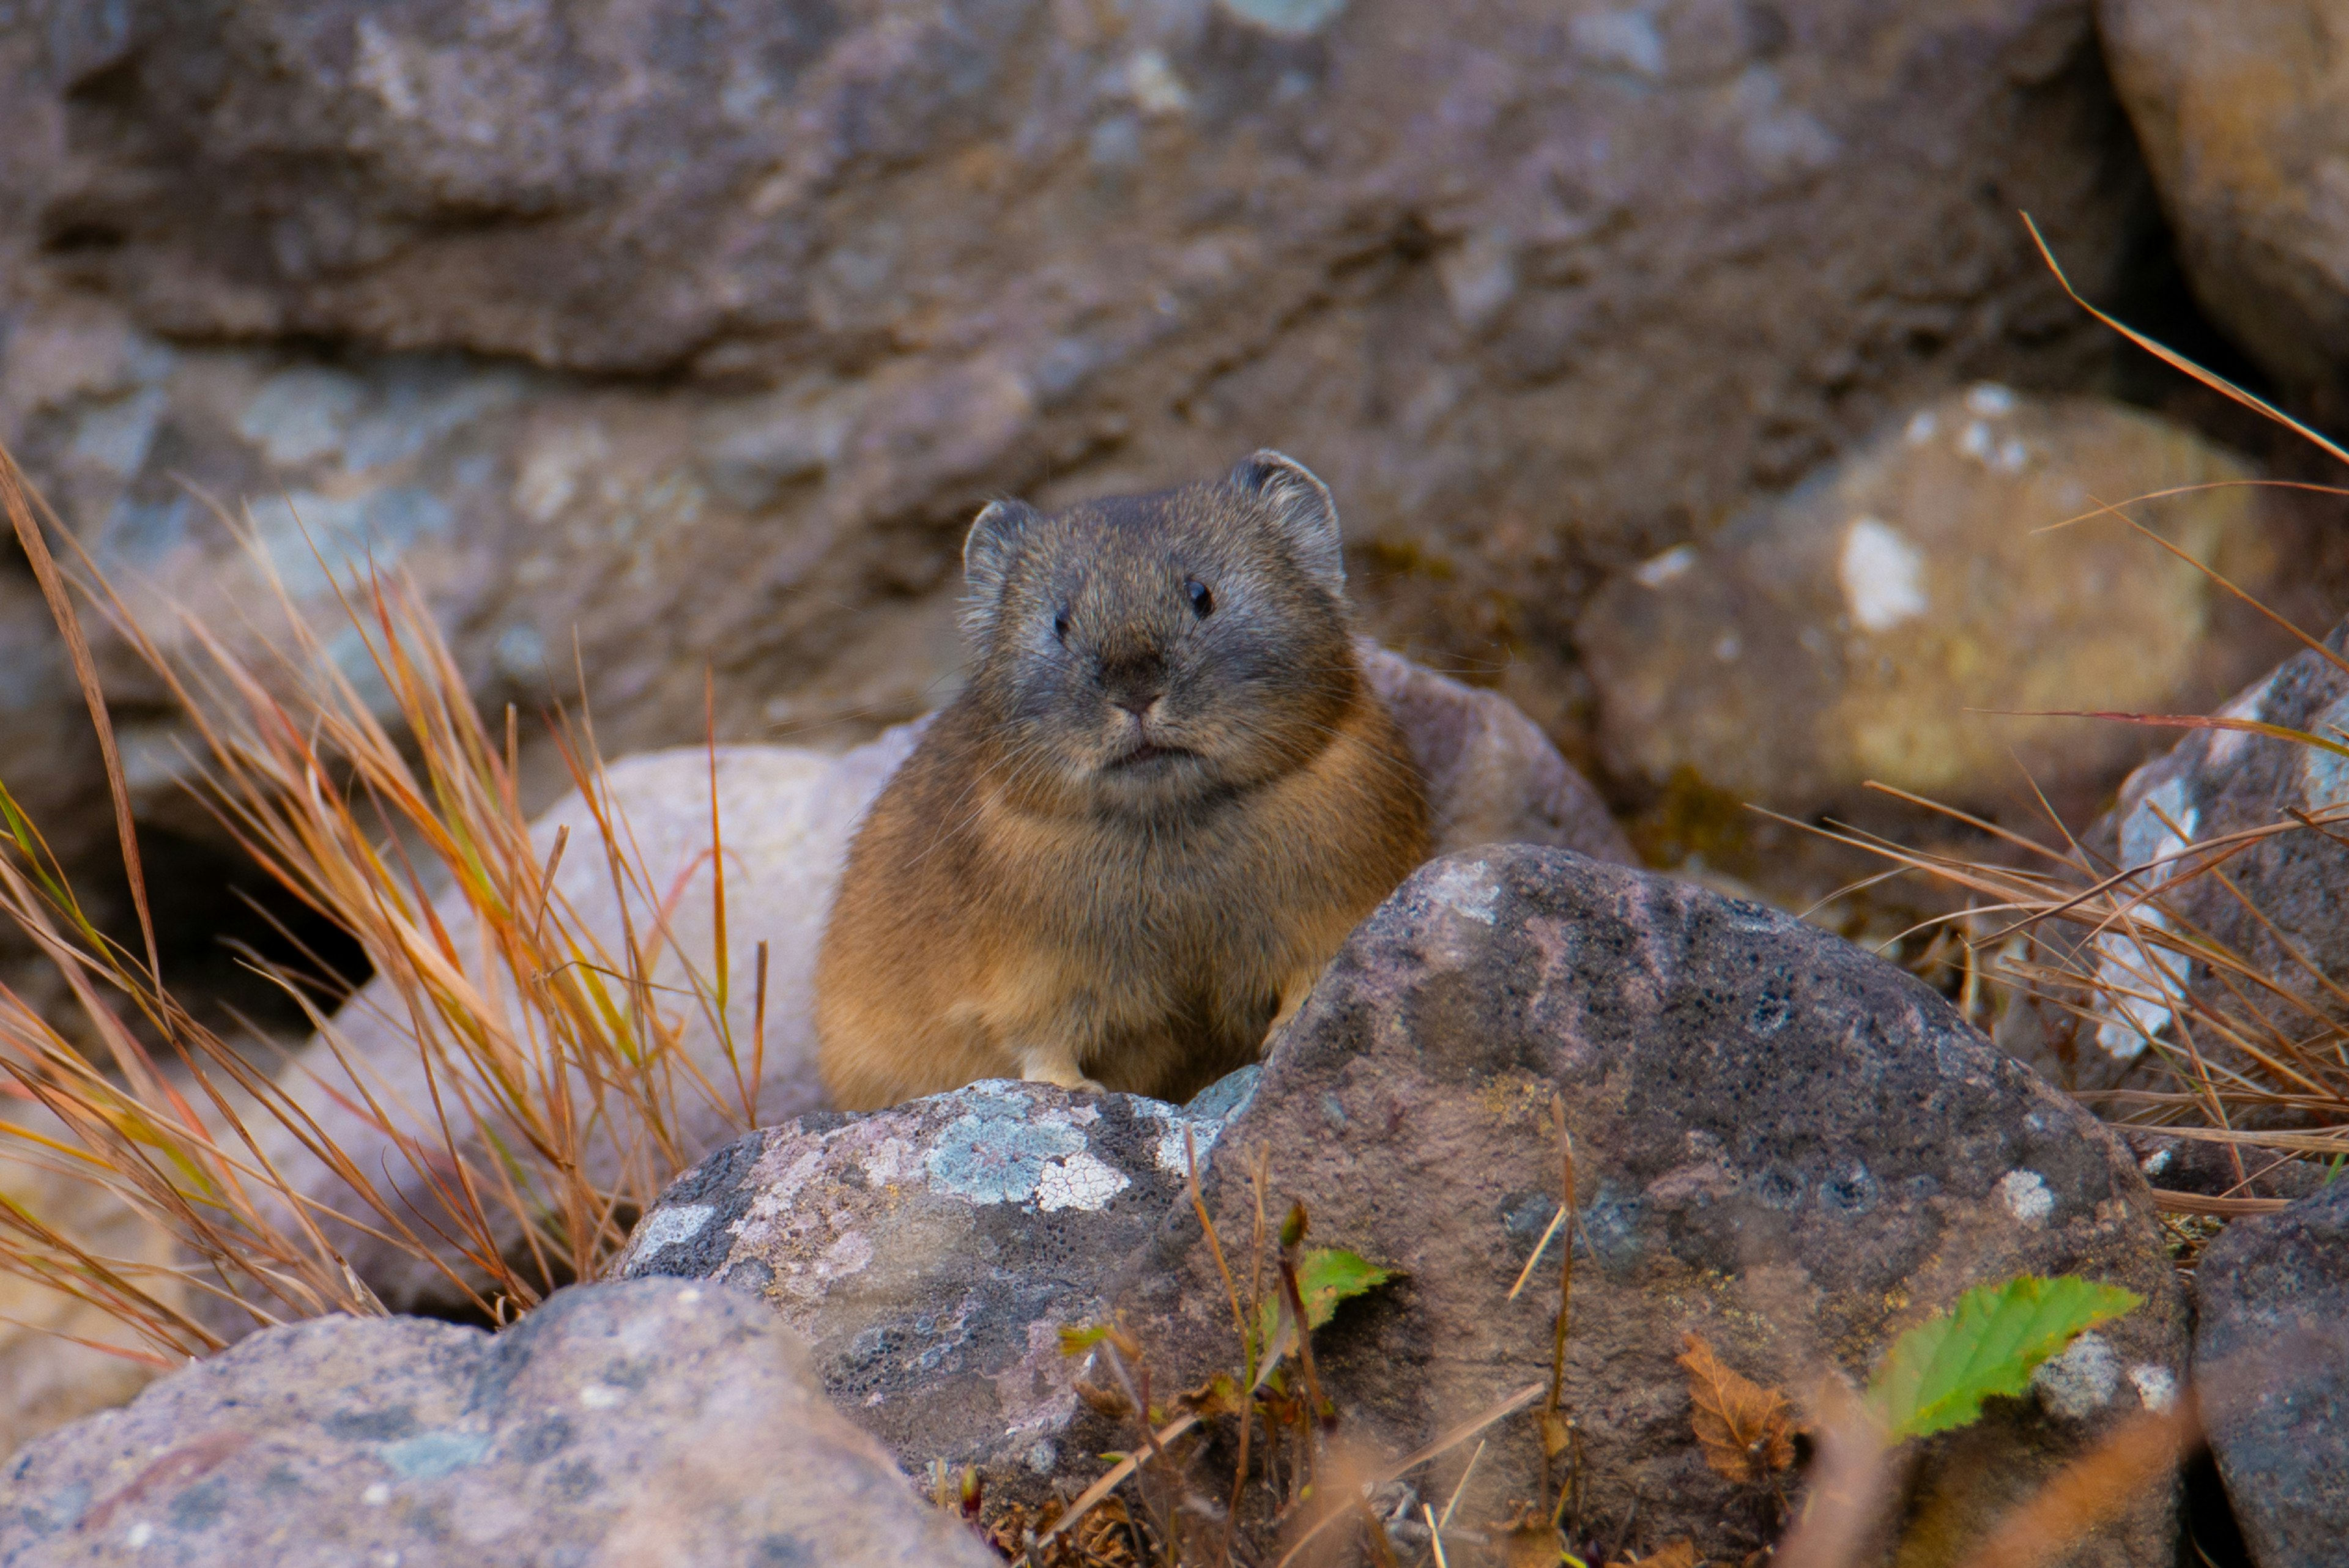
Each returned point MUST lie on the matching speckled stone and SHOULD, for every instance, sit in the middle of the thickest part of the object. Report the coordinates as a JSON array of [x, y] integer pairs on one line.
[[2276, 1288], [654, 1424], [1781, 1142], [1890, 618], [931, 1253]]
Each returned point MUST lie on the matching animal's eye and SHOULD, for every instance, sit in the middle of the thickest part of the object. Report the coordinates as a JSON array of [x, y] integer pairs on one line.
[[1061, 625], [1203, 603]]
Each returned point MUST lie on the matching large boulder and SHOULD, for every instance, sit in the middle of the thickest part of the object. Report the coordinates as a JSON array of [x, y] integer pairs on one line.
[[1858, 628], [787, 814], [1780, 1142], [931, 1255], [2273, 1293], [696, 333], [2243, 113], [2267, 898], [652, 1423]]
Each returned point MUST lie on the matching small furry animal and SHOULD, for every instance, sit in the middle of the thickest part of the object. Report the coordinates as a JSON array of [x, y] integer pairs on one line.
[[1166, 795]]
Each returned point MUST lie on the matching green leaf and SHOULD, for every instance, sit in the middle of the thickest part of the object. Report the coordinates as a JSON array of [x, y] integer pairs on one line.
[[1325, 1276], [1939, 1373], [1077, 1341]]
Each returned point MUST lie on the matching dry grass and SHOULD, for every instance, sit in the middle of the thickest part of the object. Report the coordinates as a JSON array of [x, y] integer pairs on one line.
[[556, 1090], [2252, 1047]]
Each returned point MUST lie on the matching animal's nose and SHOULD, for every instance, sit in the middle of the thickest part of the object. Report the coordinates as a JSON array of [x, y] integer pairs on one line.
[[1133, 684]]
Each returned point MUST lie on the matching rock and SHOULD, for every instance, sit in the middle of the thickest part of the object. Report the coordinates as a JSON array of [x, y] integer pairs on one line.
[[51, 766], [652, 1422], [2273, 906], [1780, 1142], [2274, 1293], [2242, 123], [787, 816], [930, 1256], [700, 333], [1843, 634], [2207, 1170], [1493, 778]]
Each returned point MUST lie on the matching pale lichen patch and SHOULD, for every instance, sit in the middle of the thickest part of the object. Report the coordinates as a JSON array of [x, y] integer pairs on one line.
[[2082, 1380], [2026, 1197], [1078, 1181], [1466, 888], [2157, 1387], [1882, 575]]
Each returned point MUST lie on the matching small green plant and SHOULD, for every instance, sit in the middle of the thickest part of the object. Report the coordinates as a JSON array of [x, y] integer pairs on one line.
[[1325, 1277], [1939, 1373]]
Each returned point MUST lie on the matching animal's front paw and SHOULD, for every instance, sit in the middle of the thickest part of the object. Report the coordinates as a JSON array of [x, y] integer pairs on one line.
[[1058, 1070]]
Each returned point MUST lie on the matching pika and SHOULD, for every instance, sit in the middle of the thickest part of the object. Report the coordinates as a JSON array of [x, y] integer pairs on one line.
[[1166, 793]]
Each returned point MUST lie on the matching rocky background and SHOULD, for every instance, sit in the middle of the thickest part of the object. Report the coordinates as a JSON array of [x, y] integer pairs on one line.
[[658, 338], [1682, 369]]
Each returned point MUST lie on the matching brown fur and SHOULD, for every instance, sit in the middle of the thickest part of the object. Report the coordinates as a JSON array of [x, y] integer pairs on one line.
[[1030, 898]]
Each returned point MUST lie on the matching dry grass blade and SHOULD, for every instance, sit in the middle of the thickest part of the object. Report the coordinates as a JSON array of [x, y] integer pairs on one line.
[[548, 1090], [1445, 1444], [1849, 1489], [2175, 360], [19, 498], [2136, 1455]]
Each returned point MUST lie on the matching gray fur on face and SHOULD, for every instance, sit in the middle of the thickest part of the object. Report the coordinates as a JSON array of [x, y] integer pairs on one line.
[[1220, 607]]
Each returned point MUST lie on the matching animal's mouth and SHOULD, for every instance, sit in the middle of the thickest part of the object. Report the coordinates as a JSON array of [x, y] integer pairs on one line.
[[1146, 754]]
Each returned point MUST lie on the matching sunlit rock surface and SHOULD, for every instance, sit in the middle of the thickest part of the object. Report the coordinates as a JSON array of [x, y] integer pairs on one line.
[[1856, 630]]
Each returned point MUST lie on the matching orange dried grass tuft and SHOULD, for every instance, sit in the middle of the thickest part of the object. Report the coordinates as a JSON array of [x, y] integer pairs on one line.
[[560, 1091]]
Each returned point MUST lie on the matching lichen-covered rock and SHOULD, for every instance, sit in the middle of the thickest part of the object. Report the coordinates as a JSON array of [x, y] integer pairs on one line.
[[653, 1423], [787, 814], [1855, 630], [2274, 1295], [2275, 906], [1780, 1142], [931, 1255], [2244, 118]]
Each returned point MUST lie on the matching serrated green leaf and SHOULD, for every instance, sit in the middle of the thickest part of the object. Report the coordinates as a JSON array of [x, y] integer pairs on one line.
[[1325, 1276], [1939, 1373]]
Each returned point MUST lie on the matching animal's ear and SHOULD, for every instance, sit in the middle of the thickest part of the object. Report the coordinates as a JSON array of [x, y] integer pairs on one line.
[[987, 552], [1301, 508]]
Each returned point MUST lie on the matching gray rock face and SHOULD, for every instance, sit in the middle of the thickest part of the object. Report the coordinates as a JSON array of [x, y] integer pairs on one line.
[[2274, 1290], [652, 1423], [1492, 776], [1856, 629], [2243, 123], [787, 814], [699, 331], [931, 1253], [1781, 1142], [2276, 908]]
